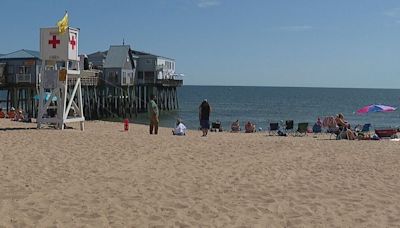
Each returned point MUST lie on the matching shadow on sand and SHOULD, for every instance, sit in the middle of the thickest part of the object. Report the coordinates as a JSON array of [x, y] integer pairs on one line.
[[16, 128]]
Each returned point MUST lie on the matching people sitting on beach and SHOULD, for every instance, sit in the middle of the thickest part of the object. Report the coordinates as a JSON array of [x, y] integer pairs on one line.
[[344, 128], [180, 128], [19, 116], [235, 126], [11, 113], [2, 114], [250, 127], [317, 128]]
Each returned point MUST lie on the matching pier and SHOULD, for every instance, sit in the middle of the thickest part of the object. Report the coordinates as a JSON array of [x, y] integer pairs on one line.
[[108, 92]]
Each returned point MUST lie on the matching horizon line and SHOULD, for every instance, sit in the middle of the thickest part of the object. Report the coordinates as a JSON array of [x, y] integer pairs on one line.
[[311, 87]]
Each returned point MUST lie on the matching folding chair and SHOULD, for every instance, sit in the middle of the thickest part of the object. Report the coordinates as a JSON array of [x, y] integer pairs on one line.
[[216, 126], [301, 129], [289, 124], [273, 128], [366, 127]]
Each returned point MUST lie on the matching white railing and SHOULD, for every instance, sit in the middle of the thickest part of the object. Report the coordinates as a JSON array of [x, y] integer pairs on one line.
[[178, 76]]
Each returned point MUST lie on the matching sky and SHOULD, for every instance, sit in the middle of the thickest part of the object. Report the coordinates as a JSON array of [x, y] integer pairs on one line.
[[301, 43]]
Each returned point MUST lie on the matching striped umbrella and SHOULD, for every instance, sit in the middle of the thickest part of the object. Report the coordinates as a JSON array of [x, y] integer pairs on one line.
[[375, 108]]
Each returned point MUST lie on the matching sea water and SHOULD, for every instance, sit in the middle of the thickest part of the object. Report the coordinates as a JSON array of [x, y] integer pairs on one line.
[[263, 105]]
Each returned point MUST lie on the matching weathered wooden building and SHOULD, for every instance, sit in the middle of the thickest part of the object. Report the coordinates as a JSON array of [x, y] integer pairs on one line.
[[19, 78], [115, 83], [153, 75]]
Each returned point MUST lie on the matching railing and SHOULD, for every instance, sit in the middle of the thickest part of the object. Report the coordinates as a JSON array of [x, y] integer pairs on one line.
[[160, 67], [144, 81], [86, 81], [177, 76], [88, 78], [170, 82], [23, 78]]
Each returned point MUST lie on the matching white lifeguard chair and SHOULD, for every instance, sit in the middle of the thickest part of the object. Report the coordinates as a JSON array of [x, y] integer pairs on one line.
[[59, 54]]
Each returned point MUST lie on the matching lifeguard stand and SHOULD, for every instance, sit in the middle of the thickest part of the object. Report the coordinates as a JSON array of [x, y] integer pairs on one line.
[[59, 54]]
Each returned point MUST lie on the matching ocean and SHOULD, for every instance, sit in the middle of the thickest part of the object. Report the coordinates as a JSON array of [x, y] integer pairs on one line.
[[263, 105]]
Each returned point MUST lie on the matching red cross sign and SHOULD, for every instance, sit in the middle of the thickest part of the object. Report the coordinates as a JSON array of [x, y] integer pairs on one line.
[[54, 41], [73, 42]]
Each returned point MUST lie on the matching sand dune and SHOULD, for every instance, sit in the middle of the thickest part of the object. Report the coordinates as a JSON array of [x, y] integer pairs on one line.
[[104, 177]]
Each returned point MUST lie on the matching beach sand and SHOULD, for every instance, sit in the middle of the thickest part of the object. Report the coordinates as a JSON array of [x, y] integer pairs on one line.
[[105, 177]]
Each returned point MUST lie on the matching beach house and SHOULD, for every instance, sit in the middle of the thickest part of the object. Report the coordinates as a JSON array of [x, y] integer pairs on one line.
[[19, 75], [20, 67], [156, 75], [152, 74], [116, 82], [119, 66], [154, 68]]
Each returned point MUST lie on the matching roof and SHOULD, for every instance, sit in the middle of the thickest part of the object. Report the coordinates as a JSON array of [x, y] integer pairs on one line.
[[141, 53], [103, 53], [22, 54], [116, 56]]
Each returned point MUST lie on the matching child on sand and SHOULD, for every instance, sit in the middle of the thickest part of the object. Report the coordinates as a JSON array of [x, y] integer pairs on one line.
[[180, 128]]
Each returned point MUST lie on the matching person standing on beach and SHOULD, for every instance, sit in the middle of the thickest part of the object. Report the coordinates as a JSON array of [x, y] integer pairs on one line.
[[204, 116], [153, 115]]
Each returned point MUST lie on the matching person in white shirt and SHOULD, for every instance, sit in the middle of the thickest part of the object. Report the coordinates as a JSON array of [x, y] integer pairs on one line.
[[180, 128]]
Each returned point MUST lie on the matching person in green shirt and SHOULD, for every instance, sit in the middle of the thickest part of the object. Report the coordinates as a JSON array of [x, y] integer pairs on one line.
[[153, 115]]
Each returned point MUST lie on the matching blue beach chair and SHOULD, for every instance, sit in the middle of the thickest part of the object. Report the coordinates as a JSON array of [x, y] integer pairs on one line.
[[273, 128]]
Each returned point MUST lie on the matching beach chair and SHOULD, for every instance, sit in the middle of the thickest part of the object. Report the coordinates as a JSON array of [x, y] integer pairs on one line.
[[361, 129], [366, 128], [273, 128], [216, 126], [301, 129], [289, 126]]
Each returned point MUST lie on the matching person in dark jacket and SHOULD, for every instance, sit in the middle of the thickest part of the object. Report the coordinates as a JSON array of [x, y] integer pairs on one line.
[[204, 116]]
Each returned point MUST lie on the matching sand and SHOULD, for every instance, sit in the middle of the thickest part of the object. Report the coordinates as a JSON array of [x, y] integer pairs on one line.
[[105, 177]]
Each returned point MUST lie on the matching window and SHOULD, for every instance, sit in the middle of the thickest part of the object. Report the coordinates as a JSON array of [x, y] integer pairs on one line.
[[113, 77], [24, 70], [10, 69]]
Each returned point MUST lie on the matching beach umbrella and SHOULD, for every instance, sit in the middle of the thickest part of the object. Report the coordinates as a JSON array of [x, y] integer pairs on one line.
[[375, 108], [37, 97]]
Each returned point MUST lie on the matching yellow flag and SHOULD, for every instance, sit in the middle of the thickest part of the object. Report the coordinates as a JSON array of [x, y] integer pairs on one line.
[[63, 24]]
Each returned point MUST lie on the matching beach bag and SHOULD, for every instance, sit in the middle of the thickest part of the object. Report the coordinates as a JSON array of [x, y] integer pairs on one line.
[[280, 133]]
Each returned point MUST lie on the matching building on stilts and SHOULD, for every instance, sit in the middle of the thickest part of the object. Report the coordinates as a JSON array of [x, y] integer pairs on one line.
[[115, 83]]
